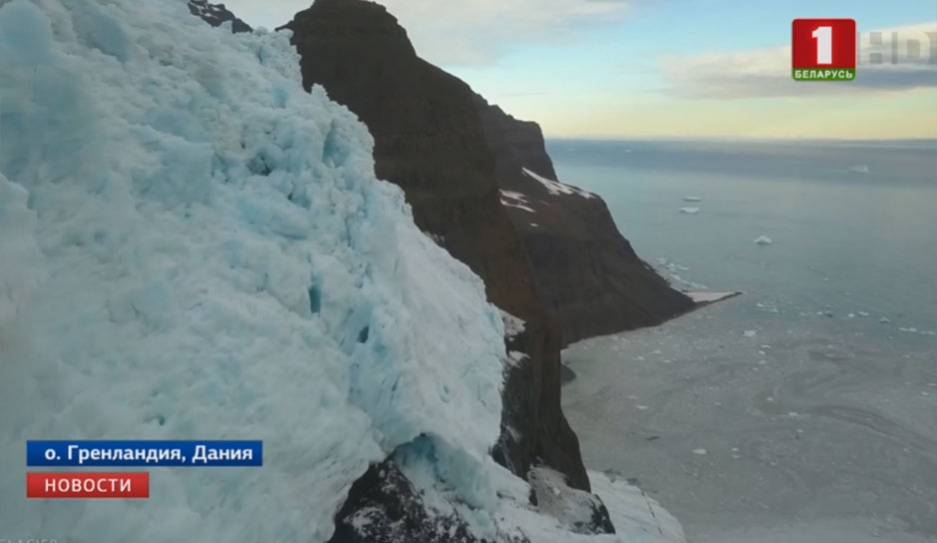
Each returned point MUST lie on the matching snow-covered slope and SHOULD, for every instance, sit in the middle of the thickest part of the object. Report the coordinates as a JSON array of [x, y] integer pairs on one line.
[[193, 247]]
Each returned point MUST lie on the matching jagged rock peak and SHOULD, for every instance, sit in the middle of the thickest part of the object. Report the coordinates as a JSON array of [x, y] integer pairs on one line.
[[361, 18], [217, 15]]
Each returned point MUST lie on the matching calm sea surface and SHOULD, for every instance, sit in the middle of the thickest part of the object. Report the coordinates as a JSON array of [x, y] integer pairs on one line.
[[806, 409]]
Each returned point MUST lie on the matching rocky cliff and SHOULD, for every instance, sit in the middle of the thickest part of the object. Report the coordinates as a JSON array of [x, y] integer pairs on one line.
[[587, 274]]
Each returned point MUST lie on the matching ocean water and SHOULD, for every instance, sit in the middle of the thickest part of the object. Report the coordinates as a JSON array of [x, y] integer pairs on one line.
[[804, 410]]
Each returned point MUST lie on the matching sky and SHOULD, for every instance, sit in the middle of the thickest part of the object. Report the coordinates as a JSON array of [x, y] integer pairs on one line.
[[685, 69]]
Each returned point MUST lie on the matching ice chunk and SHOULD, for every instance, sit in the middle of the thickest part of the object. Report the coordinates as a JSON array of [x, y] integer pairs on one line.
[[690, 210], [513, 326], [763, 241]]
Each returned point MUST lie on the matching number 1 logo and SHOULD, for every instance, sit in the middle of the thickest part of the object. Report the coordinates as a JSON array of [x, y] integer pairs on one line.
[[824, 49]]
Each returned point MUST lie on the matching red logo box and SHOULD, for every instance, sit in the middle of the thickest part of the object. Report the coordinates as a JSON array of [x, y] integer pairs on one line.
[[824, 49], [87, 486]]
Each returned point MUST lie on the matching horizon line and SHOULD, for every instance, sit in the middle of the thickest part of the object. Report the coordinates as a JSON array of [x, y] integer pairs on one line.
[[739, 139]]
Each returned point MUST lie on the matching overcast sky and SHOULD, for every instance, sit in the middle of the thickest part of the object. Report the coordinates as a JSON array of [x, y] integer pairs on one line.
[[669, 68]]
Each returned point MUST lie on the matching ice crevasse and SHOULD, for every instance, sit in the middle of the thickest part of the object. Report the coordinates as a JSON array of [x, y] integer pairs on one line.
[[192, 247]]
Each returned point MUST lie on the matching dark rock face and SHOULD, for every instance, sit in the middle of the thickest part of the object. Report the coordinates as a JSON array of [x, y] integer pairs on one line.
[[383, 507], [430, 140], [531, 400], [216, 15], [588, 276]]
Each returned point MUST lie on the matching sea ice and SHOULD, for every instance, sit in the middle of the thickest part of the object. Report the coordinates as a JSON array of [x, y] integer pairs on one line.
[[690, 210]]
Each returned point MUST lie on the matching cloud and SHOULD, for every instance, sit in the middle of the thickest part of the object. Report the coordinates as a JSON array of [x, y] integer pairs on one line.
[[464, 32], [892, 59], [467, 32]]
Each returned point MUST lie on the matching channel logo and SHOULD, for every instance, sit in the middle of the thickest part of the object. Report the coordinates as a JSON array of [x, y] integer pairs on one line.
[[824, 49]]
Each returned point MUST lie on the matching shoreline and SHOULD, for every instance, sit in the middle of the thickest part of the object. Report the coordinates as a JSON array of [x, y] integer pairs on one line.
[[701, 299]]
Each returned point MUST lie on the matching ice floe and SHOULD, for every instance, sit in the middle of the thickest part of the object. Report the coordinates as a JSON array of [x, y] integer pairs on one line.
[[763, 241]]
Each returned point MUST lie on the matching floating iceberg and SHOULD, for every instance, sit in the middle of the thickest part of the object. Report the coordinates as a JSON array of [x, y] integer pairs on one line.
[[689, 210], [763, 241]]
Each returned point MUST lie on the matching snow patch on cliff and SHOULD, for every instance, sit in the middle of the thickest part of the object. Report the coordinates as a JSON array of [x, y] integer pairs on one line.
[[556, 188], [517, 200]]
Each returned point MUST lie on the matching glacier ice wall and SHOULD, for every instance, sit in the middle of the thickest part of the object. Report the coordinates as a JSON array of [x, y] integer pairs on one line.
[[192, 247]]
